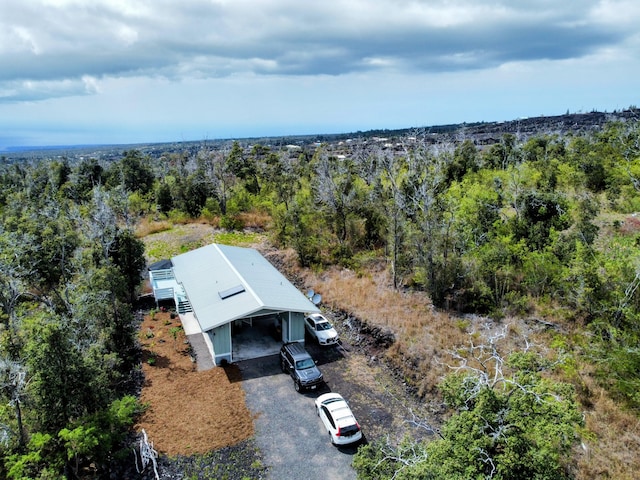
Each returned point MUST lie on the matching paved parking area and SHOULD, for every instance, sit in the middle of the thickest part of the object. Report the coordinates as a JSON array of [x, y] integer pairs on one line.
[[291, 436]]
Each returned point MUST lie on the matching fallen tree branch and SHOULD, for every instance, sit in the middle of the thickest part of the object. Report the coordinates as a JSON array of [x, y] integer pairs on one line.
[[147, 455]]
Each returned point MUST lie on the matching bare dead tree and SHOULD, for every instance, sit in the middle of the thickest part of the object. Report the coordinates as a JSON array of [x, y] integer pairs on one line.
[[630, 147], [503, 398], [629, 294], [422, 424], [216, 173], [83, 315], [12, 289], [483, 360], [101, 226], [14, 278], [13, 384], [404, 456], [393, 170], [487, 460], [335, 189], [485, 365], [427, 210]]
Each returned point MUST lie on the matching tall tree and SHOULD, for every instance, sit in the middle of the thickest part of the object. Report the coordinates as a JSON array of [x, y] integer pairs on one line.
[[218, 175], [60, 377], [87, 175], [127, 254], [164, 199], [335, 191], [430, 214], [133, 172], [244, 167], [393, 176]]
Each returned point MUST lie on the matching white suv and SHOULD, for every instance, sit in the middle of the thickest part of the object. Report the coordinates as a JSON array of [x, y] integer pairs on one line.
[[320, 329], [337, 418]]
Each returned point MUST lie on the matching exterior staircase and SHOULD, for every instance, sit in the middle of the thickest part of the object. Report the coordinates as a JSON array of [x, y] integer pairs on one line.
[[165, 286], [184, 306]]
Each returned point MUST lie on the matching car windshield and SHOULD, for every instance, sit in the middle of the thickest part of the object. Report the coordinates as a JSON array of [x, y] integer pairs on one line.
[[304, 364], [323, 326]]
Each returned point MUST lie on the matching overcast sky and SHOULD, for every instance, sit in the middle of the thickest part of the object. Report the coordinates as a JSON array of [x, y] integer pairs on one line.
[[129, 71]]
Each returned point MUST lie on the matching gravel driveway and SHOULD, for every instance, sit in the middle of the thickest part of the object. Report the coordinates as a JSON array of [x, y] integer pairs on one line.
[[290, 435]]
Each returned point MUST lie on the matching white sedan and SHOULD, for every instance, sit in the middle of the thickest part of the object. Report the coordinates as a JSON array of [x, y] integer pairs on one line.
[[320, 329], [337, 418]]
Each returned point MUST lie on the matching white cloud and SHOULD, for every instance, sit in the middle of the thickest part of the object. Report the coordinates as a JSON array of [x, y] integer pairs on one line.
[[36, 90], [619, 13], [127, 35], [22, 37]]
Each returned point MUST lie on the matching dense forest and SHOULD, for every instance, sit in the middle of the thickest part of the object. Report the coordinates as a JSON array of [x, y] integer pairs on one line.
[[543, 225]]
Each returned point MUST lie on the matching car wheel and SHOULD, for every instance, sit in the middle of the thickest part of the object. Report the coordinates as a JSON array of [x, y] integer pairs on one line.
[[297, 386], [283, 366], [331, 439]]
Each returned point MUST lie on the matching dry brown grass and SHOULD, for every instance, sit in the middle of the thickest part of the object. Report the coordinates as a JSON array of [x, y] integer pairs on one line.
[[147, 226], [611, 445], [422, 333], [255, 220], [188, 411], [630, 226]]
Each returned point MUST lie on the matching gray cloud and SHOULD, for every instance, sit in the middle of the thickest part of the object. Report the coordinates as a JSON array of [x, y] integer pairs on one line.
[[49, 48]]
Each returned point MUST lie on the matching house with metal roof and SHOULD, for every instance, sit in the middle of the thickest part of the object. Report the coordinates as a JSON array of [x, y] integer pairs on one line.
[[225, 289]]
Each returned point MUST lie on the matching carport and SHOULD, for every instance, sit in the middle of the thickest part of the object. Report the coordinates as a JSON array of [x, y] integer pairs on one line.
[[255, 337], [242, 305]]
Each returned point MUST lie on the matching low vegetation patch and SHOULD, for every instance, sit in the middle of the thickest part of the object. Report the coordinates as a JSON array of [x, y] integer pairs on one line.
[[181, 238]]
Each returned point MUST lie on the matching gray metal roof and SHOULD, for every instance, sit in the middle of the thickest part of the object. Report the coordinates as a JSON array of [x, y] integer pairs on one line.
[[160, 265], [225, 283]]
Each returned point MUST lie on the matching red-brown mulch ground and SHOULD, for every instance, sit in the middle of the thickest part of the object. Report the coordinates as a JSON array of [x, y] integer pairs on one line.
[[188, 411]]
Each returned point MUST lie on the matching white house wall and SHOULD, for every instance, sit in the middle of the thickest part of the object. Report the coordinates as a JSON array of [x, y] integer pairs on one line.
[[219, 342], [296, 327]]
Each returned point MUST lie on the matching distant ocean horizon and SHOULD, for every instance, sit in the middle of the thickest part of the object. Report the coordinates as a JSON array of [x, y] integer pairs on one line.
[[30, 148]]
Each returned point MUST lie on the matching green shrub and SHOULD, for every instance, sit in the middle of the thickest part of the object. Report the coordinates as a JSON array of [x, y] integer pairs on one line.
[[231, 222], [97, 438], [522, 426], [41, 460]]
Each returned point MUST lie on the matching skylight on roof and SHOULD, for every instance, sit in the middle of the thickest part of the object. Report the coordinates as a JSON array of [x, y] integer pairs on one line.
[[230, 292]]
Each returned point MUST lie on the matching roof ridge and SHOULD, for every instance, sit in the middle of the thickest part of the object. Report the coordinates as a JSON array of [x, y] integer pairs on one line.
[[246, 284]]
